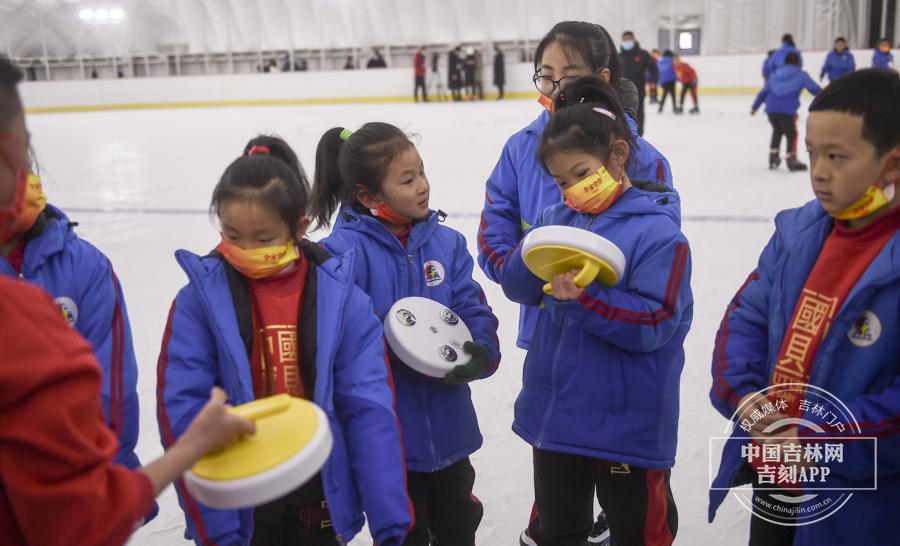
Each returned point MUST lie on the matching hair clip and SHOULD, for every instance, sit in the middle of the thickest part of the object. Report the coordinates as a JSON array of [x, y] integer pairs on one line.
[[345, 134], [254, 150], [605, 112]]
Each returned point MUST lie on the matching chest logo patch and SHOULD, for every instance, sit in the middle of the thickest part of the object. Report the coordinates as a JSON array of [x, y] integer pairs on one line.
[[68, 308], [434, 273], [866, 330]]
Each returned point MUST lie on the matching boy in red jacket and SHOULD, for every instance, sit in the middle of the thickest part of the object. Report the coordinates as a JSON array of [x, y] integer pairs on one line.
[[688, 78]]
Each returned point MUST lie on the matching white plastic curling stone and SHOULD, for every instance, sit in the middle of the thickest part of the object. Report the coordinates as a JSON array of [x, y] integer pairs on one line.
[[426, 335], [554, 250], [292, 442]]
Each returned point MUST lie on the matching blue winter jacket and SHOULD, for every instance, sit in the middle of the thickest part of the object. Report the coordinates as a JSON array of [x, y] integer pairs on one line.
[[838, 64], [519, 188], [776, 60], [865, 378], [882, 60], [601, 375], [782, 90], [666, 70], [205, 345], [438, 420], [81, 280]]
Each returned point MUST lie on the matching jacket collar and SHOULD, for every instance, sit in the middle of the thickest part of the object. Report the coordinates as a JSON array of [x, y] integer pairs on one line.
[[421, 231]]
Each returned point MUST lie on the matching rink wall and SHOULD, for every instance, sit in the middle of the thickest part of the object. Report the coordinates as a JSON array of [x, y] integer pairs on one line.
[[718, 74]]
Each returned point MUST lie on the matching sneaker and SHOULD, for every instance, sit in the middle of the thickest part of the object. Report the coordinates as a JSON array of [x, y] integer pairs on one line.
[[794, 165], [600, 532], [774, 160], [694, 110], [525, 540]]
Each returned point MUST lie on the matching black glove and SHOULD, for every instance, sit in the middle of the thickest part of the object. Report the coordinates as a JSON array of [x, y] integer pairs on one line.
[[474, 369], [628, 97]]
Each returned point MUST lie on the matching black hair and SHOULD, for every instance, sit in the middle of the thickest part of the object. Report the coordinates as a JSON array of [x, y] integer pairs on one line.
[[883, 40], [360, 159], [587, 41], [788, 39], [668, 53], [576, 126], [840, 39], [10, 103], [628, 33], [792, 58], [871, 93], [269, 179]]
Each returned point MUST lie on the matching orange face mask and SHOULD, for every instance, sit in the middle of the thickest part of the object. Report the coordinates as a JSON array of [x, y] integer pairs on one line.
[[259, 263], [546, 102], [595, 193], [390, 215]]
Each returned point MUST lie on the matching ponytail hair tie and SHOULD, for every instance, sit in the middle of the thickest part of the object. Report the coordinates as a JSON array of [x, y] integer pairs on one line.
[[605, 112], [345, 134], [254, 150]]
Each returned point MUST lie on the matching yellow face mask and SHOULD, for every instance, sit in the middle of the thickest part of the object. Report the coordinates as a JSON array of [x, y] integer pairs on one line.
[[259, 263], [871, 202], [594, 194], [29, 203]]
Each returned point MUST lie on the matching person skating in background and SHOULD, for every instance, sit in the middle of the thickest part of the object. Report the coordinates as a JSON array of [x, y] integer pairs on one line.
[[636, 64], [667, 79], [652, 87], [499, 71], [419, 63], [778, 57], [839, 61], [782, 97], [882, 56], [688, 78]]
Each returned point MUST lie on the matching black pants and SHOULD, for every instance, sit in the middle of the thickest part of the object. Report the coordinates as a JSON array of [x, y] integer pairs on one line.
[[783, 124], [668, 89], [767, 533], [300, 518], [640, 109], [420, 84], [684, 89], [447, 513], [499, 91], [637, 502]]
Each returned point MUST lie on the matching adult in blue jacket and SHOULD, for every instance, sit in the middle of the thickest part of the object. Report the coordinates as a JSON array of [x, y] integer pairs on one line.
[[781, 93], [207, 342], [778, 58], [438, 419], [519, 188], [839, 61]]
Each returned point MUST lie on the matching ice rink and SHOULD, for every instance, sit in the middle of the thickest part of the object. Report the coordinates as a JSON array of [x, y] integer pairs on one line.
[[139, 183]]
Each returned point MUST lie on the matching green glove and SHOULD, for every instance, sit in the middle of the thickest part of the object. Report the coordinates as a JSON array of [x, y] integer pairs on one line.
[[474, 369]]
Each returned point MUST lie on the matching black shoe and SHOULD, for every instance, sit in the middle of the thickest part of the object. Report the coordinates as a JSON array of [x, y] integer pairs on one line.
[[694, 110], [774, 160], [679, 110], [794, 165], [600, 532]]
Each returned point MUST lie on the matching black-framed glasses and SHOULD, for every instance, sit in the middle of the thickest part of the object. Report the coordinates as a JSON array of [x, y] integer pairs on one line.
[[547, 85]]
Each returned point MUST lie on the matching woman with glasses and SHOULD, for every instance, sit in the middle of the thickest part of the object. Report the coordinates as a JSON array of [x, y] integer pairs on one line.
[[519, 188]]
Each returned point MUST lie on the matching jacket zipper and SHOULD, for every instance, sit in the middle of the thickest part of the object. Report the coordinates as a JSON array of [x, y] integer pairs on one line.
[[552, 403]]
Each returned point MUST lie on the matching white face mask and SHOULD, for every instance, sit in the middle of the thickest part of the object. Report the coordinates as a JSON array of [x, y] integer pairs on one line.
[[629, 44]]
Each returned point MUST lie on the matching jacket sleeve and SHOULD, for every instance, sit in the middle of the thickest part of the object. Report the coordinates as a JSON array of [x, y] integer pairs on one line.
[[643, 316], [186, 372], [60, 482], [740, 355], [650, 64], [501, 225], [470, 303], [767, 68], [811, 85], [852, 62], [760, 97], [825, 66], [364, 401]]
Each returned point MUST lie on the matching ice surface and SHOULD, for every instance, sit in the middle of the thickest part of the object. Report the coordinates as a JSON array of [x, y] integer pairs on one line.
[[139, 183]]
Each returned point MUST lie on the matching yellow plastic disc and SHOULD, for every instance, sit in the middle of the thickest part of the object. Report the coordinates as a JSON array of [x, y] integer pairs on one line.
[[284, 427], [548, 261]]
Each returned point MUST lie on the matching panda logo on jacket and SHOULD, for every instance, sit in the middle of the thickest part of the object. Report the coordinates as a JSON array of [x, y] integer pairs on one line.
[[866, 330], [68, 308], [434, 273]]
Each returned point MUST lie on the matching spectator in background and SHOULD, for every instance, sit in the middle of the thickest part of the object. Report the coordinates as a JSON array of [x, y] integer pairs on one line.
[[479, 74], [688, 78], [286, 63], [499, 72], [839, 61], [454, 72], [469, 67], [302, 66], [776, 60], [636, 63], [882, 57], [419, 70], [348, 64], [377, 61], [667, 80]]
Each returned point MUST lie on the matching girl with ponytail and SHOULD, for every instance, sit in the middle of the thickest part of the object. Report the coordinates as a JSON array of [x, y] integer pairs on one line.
[[375, 179], [599, 399]]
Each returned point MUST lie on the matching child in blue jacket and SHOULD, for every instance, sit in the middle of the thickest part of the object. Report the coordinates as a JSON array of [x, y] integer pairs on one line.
[[782, 97], [519, 188], [839, 61], [377, 178], [46, 251], [882, 56], [778, 57], [269, 312], [667, 79], [841, 249], [599, 399]]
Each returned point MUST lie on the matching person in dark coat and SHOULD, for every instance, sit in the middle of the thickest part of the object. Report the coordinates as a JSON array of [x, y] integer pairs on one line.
[[499, 72], [470, 64], [454, 72], [636, 63]]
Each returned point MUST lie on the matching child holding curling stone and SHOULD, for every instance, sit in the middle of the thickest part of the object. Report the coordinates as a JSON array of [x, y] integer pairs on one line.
[[377, 178], [599, 399]]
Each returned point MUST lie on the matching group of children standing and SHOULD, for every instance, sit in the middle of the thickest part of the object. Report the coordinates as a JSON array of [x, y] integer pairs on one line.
[[268, 312]]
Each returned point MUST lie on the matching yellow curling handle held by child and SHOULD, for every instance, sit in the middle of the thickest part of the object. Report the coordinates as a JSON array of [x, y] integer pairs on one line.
[[555, 250]]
